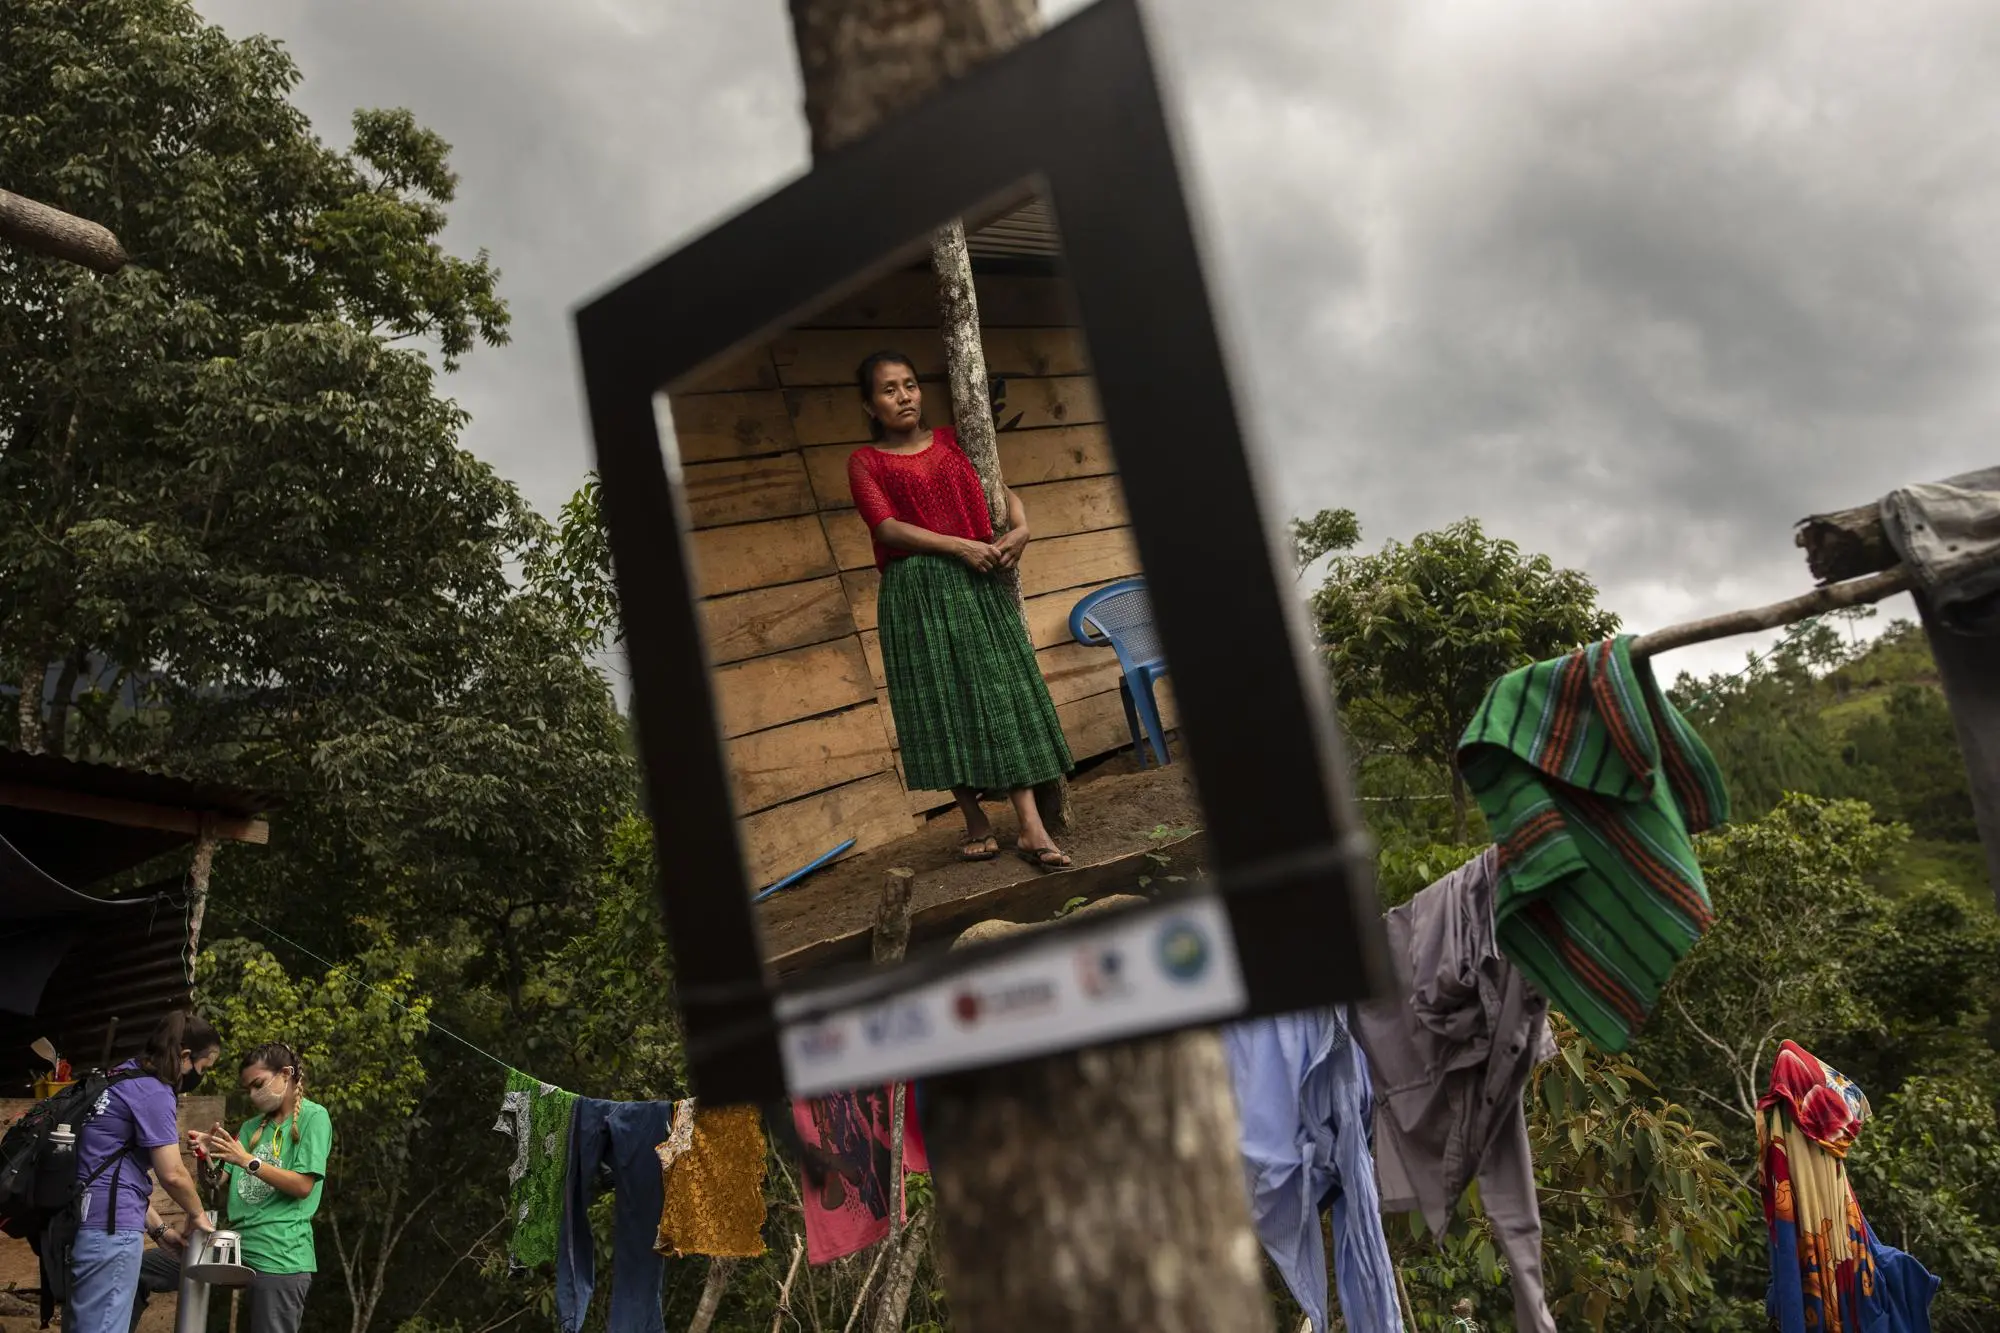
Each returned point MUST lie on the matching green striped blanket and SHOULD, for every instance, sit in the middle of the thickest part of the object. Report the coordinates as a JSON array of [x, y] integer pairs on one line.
[[1593, 786]]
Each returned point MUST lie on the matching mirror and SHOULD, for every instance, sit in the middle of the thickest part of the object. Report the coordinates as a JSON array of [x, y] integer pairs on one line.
[[871, 681]]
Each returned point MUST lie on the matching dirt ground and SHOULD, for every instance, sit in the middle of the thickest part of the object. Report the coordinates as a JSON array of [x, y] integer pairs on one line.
[[1118, 808], [21, 1271]]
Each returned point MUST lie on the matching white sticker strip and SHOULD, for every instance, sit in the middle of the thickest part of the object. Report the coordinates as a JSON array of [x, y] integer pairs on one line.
[[1157, 971]]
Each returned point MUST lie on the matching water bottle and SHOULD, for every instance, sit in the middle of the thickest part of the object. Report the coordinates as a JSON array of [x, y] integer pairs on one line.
[[55, 1175]]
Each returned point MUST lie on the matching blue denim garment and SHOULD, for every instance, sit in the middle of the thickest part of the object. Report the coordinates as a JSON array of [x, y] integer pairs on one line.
[[103, 1280], [619, 1136], [1304, 1108]]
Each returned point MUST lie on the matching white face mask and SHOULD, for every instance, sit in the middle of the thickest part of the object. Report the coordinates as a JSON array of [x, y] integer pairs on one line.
[[271, 1095]]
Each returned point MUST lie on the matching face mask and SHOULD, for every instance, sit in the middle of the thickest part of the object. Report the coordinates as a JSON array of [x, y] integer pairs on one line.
[[191, 1080], [269, 1097]]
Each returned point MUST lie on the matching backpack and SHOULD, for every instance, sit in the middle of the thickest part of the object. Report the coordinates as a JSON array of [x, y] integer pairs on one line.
[[29, 1192], [38, 1194]]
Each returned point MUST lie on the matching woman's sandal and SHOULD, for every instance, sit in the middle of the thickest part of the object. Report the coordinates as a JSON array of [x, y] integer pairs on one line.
[[1044, 859], [979, 849]]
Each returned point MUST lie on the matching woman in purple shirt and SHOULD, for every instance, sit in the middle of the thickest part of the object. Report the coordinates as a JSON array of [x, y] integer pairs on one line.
[[130, 1136]]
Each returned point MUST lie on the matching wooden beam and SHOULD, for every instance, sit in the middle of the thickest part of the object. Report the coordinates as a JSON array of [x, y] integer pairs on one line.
[[1846, 544], [133, 814], [59, 235], [1035, 898], [1857, 592]]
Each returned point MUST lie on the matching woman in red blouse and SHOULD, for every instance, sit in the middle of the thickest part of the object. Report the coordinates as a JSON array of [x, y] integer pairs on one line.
[[972, 712]]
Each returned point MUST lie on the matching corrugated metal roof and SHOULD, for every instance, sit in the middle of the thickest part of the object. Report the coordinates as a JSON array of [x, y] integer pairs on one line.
[[118, 983], [125, 782], [80, 849], [1026, 232]]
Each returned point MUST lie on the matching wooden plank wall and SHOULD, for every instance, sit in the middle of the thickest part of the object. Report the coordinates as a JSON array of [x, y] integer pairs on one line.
[[789, 580]]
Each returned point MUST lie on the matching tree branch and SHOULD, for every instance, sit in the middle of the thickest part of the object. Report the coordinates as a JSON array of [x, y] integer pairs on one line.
[[59, 235], [785, 1290], [867, 1283], [1874, 588]]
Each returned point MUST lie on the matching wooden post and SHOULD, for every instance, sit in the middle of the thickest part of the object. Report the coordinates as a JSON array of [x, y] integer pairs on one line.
[[1099, 1189], [59, 235], [1846, 544], [972, 409], [198, 871]]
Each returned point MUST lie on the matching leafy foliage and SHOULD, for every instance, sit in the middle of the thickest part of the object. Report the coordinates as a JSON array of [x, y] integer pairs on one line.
[[1638, 1205], [1417, 632], [1328, 531]]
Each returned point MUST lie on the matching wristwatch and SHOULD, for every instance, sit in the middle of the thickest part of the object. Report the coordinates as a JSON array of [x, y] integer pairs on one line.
[[255, 1165], [157, 1232]]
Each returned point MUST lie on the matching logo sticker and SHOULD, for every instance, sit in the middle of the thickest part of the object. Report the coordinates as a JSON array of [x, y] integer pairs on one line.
[[1101, 972], [823, 1041], [1014, 1001], [1183, 950], [895, 1024]]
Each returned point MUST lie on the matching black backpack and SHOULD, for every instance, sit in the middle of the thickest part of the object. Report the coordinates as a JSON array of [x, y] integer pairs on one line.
[[32, 1186], [39, 1188]]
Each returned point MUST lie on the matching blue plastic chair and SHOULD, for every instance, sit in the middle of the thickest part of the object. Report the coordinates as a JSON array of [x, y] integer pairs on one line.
[[1121, 615]]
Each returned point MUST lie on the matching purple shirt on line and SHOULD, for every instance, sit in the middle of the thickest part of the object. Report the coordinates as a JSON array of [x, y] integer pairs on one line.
[[133, 1117]]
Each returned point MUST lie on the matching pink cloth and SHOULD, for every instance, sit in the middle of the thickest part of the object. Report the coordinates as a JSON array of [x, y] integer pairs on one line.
[[845, 1172]]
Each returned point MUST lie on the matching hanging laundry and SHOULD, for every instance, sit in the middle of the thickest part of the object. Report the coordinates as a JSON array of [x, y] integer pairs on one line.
[[1829, 1273], [712, 1174], [536, 1116], [1304, 1107], [1448, 1066], [845, 1167], [1593, 785], [613, 1144], [1948, 534]]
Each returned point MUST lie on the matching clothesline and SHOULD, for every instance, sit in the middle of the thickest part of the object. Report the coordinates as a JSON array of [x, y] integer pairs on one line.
[[339, 969]]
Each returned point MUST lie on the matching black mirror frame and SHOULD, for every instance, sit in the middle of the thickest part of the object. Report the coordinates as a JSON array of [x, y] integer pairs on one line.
[[1078, 111]]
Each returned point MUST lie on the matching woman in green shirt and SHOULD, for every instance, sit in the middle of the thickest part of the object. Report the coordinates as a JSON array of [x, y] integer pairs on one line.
[[277, 1166]]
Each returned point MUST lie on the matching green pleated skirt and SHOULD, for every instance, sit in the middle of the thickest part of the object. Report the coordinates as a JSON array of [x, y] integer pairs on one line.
[[970, 705]]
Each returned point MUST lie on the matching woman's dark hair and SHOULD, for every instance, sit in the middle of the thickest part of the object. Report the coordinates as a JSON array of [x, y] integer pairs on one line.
[[864, 380], [181, 1030], [276, 1057]]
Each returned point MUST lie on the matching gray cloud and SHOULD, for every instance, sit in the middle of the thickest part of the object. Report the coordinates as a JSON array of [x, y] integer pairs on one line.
[[1638, 287]]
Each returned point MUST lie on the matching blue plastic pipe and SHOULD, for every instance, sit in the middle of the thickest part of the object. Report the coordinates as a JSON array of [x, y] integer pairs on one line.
[[802, 872]]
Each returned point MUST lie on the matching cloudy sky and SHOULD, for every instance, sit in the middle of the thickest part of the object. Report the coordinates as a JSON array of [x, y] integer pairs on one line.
[[1637, 286]]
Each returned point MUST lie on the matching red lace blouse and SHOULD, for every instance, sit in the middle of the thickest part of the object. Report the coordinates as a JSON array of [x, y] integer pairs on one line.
[[934, 488]]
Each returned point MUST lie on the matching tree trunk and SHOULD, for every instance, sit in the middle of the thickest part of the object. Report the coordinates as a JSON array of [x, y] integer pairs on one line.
[[28, 711], [1095, 1190], [712, 1288], [906, 1254], [55, 732], [52, 232], [1459, 799], [864, 60], [972, 408]]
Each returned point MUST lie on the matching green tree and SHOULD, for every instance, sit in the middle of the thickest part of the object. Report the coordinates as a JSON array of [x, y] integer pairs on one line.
[[359, 1032], [1908, 758], [1794, 913], [1639, 1207], [1417, 633], [232, 489], [1328, 531], [216, 473], [1927, 1173]]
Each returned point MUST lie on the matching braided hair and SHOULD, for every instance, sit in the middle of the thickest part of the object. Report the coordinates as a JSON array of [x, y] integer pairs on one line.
[[278, 1057]]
